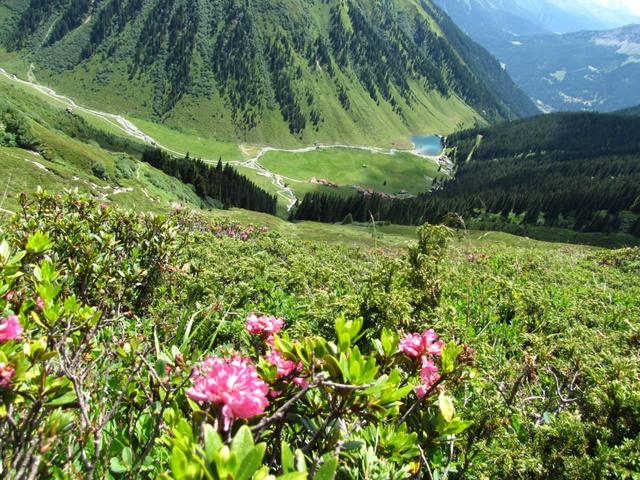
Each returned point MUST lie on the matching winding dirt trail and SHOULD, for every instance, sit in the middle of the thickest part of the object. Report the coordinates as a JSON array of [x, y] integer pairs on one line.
[[130, 129]]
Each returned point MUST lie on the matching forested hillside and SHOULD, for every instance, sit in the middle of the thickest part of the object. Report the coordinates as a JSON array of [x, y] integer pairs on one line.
[[265, 71], [222, 184], [571, 170]]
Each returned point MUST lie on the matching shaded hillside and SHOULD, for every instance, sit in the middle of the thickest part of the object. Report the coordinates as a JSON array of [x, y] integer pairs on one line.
[[578, 170], [630, 111]]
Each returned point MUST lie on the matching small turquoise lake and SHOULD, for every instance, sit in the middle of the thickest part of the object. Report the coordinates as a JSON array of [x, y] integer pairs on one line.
[[428, 145]]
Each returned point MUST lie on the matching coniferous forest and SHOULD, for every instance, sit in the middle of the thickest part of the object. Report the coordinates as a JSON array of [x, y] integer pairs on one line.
[[578, 171], [222, 183]]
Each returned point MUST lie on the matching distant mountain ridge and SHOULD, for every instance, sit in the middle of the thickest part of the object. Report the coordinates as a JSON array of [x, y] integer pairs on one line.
[[587, 69], [496, 22], [590, 70], [259, 70], [630, 111]]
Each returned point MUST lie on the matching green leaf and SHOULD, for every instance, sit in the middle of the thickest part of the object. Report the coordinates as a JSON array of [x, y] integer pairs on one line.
[[334, 367], [116, 466], [180, 466], [212, 442], [4, 251], [389, 342], [293, 476], [251, 462], [287, 459], [446, 407], [242, 442], [66, 399], [301, 462], [328, 470], [450, 354], [39, 242], [455, 427], [353, 445]]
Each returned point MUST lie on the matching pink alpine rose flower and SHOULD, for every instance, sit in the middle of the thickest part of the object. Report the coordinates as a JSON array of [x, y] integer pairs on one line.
[[231, 383], [10, 328], [284, 367], [301, 382], [6, 374], [417, 345], [266, 326], [428, 375], [39, 304]]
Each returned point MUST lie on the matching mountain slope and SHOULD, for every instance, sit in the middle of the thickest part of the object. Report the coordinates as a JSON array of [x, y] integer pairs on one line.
[[578, 71], [630, 111], [573, 169], [496, 22], [267, 71], [585, 70], [491, 23]]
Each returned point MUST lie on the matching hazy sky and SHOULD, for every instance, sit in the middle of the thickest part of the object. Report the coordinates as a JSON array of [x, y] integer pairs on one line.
[[631, 5]]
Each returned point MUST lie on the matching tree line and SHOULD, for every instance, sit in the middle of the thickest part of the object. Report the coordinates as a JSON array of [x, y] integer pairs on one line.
[[221, 183]]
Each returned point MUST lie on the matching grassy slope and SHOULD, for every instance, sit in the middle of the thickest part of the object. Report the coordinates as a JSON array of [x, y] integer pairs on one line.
[[398, 236], [152, 190], [366, 123], [66, 163], [343, 166]]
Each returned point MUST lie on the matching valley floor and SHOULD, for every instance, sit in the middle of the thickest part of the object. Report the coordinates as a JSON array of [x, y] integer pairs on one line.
[[318, 167]]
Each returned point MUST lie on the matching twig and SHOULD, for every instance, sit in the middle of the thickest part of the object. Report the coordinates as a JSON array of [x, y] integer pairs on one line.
[[282, 411]]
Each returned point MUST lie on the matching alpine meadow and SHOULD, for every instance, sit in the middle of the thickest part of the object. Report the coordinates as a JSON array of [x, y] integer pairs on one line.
[[318, 239]]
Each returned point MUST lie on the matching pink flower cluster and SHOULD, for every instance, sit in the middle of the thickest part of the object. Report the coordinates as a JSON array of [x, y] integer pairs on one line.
[[285, 368], [422, 347], [10, 328], [418, 345], [6, 374], [428, 375], [267, 326], [238, 232], [231, 383]]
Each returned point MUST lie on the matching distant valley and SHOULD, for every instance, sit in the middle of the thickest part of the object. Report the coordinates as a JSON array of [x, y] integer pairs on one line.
[[564, 60], [577, 71]]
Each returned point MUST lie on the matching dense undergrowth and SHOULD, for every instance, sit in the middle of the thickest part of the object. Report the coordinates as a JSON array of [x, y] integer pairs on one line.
[[129, 348]]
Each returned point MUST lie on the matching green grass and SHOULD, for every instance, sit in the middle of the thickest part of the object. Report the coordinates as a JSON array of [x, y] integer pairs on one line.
[[198, 145], [392, 237], [566, 236], [25, 171], [67, 163], [347, 167]]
